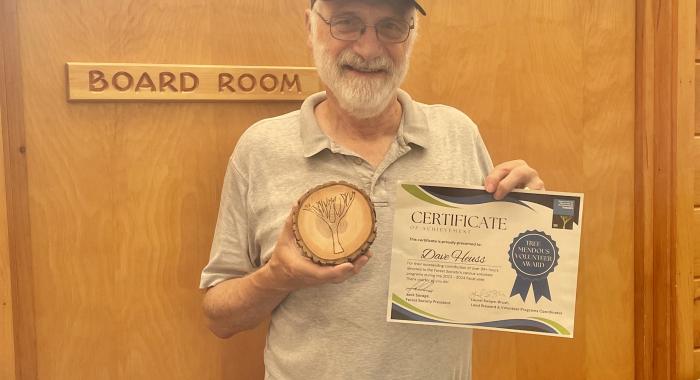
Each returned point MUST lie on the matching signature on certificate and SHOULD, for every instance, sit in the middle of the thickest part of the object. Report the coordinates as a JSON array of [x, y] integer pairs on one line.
[[487, 294], [422, 285]]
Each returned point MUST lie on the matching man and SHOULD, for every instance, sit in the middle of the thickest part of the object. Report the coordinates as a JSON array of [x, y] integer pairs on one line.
[[329, 322]]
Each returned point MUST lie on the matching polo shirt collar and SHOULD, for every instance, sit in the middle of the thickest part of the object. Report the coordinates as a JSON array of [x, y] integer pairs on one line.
[[412, 130]]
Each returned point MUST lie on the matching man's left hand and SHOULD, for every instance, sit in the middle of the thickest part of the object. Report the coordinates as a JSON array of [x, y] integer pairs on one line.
[[511, 175]]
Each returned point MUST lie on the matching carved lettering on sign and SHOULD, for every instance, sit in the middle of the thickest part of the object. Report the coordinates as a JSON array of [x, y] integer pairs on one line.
[[225, 80], [118, 84], [97, 81], [183, 82], [247, 82], [165, 81], [145, 82], [179, 82], [268, 82], [295, 83]]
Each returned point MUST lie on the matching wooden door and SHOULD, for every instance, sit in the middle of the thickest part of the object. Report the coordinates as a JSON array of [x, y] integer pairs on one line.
[[115, 204], [552, 82], [122, 198]]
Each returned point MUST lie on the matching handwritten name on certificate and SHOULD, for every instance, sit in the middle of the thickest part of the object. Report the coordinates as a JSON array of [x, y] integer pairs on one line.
[[461, 258]]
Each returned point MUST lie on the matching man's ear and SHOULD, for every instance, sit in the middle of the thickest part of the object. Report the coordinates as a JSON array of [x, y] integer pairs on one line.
[[307, 23]]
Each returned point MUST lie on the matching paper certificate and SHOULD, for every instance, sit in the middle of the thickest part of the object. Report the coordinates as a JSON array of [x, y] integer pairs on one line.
[[461, 258]]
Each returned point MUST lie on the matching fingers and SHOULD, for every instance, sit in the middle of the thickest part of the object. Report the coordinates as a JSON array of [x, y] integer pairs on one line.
[[535, 184], [511, 175], [359, 263], [298, 271], [341, 273], [517, 177], [312, 274], [497, 174], [335, 274]]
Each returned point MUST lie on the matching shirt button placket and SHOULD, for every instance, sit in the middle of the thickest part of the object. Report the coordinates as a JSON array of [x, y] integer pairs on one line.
[[365, 175]]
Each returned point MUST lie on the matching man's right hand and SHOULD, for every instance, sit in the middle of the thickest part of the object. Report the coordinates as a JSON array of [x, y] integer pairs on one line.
[[242, 303], [289, 270]]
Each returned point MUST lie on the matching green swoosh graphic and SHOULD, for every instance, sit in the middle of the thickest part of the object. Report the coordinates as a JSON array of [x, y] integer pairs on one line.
[[418, 193], [561, 329], [407, 305]]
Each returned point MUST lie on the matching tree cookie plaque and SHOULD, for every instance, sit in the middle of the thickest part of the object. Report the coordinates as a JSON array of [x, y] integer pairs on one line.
[[334, 223]]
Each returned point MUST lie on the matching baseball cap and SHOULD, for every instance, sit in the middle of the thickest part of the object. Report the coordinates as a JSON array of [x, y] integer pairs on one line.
[[414, 2]]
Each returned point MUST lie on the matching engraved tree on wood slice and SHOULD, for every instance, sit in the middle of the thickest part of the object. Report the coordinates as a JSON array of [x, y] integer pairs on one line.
[[332, 210], [342, 209]]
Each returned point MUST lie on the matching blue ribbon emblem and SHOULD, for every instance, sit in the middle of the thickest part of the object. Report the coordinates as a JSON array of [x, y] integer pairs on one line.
[[533, 255]]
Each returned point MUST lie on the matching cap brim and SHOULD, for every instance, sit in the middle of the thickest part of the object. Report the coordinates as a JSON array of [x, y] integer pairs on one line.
[[420, 9], [415, 4]]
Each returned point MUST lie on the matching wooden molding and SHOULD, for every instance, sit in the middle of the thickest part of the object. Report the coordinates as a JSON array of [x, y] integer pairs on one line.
[[663, 265], [7, 345], [15, 181], [682, 288]]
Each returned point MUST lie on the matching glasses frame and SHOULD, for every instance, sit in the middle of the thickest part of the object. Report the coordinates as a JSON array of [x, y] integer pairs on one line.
[[329, 22]]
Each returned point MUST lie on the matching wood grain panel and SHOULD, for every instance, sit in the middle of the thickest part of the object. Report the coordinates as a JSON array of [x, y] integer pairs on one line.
[[124, 197], [696, 247], [695, 146], [697, 99], [696, 312], [644, 183], [665, 103], [696, 360], [16, 188], [681, 288], [505, 71], [7, 336], [697, 31]]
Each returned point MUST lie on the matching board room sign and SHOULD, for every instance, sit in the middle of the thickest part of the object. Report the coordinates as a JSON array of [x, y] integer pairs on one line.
[[148, 82]]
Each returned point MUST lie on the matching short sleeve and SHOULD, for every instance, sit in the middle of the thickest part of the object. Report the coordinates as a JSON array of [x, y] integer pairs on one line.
[[231, 255], [482, 157]]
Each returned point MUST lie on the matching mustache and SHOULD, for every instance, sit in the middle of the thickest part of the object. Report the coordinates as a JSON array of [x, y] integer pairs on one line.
[[355, 61]]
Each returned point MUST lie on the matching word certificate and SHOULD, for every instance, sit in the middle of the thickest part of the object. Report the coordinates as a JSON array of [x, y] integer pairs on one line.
[[461, 258]]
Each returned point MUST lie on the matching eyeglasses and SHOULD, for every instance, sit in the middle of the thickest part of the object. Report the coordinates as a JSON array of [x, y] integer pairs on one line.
[[351, 28]]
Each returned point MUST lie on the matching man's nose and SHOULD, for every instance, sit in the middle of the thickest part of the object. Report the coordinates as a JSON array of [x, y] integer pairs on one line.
[[368, 45]]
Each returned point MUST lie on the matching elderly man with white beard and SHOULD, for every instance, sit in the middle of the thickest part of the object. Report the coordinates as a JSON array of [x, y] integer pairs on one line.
[[329, 322]]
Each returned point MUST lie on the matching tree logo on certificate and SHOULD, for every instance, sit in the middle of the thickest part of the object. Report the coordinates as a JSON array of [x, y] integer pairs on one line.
[[533, 255], [564, 214]]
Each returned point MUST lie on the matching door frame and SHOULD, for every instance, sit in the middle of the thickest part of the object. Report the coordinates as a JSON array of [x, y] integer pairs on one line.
[[665, 114], [19, 361]]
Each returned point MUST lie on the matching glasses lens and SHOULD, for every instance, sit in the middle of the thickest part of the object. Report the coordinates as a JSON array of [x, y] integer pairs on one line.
[[393, 30], [347, 28]]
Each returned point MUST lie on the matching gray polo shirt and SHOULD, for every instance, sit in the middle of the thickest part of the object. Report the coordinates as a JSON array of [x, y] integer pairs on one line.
[[339, 331]]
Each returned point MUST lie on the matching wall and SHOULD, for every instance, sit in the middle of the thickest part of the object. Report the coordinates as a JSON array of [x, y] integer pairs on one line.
[[122, 198], [552, 82]]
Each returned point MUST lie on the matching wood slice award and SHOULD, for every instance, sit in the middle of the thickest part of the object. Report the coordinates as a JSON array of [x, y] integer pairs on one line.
[[334, 223]]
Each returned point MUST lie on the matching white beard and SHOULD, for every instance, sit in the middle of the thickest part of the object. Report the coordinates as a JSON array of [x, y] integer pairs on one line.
[[361, 98]]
